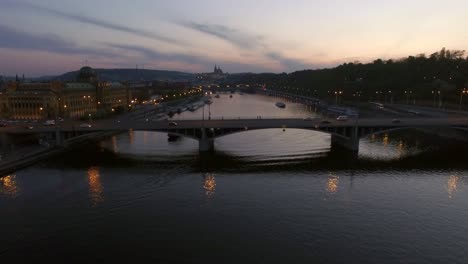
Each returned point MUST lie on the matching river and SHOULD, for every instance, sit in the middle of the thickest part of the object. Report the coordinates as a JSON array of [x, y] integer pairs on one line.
[[266, 196]]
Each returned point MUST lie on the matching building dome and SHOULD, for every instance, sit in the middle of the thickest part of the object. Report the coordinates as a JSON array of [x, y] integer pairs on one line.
[[87, 74]]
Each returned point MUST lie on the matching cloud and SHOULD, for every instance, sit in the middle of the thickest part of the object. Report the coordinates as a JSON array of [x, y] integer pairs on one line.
[[151, 54], [290, 64], [91, 21], [233, 36], [15, 39], [156, 55], [245, 42]]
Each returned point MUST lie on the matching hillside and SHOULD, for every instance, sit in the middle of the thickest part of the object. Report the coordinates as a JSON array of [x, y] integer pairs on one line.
[[127, 75]]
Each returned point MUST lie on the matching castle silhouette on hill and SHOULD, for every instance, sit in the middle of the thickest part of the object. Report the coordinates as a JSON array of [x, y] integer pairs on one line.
[[217, 70]]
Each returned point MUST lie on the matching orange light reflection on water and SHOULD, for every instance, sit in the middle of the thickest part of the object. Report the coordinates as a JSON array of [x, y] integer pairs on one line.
[[385, 140], [332, 184], [452, 184], [209, 185], [95, 186], [8, 186]]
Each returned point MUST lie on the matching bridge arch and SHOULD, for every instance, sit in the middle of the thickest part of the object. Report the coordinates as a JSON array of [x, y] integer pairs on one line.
[[173, 132], [236, 131]]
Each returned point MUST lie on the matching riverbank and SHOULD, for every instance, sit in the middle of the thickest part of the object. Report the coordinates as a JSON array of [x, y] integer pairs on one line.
[[39, 153]]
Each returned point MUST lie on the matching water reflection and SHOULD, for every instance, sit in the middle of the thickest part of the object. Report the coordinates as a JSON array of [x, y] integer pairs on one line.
[[115, 147], [385, 140], [332, 184], [452, 184], [95, 186], [209, 185], [131, 136], [401, 148], [385, 147], [8, 186]]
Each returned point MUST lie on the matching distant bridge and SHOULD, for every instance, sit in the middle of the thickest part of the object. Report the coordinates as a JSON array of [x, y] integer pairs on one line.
[[343, 133]]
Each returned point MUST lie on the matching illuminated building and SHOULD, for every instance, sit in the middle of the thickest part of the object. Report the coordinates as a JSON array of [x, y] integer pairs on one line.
[[46, 100]]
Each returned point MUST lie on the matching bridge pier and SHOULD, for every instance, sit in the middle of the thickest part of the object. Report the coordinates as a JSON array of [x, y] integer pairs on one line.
[[205, 143], [5, 143], [347, 141], [60, 138]]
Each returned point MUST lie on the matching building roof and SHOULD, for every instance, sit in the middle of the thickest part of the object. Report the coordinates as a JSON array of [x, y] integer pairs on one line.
[[87, 74], [79, 86], [116, 85]]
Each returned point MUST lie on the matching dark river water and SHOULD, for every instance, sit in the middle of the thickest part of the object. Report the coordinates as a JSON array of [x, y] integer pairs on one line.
[[266, 196]]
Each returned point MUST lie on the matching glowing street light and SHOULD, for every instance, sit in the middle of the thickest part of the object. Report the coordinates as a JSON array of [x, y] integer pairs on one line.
[[462, 93]]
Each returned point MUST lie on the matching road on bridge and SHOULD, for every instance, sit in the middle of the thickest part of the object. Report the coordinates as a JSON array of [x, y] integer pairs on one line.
[[106, 125]]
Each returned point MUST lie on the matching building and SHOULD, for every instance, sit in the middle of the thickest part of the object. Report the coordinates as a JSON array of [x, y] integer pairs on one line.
[[30, 100], [215, 76], [46, 100], [217, 70]]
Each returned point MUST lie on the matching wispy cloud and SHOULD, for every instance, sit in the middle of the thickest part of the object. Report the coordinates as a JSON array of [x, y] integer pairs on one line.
[[49, 42], [246, 42], [156, 55], [288, 63], [90, 20], [150, 54], [231, 35]]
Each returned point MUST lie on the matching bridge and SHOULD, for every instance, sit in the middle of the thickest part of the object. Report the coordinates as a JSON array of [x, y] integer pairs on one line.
[[345, 134]]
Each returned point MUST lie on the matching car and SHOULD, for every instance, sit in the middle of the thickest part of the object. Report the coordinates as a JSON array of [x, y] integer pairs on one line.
[[3, 125], [396, 121], [29, 127], [172, 124], [342, 118], [414, 112], [49, 122], [85, 125], [325, 122], [60, 119]]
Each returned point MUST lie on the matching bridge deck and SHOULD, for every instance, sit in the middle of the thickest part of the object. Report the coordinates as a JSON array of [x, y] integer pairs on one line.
[[242, 123]]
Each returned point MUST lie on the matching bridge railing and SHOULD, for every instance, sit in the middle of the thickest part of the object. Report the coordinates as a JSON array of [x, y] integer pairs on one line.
[[245, 117]]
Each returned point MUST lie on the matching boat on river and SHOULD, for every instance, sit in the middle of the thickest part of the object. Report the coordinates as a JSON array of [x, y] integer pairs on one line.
[[280, 104]]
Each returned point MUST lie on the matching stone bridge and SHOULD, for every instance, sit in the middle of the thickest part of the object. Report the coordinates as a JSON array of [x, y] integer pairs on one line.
[[343, 133]]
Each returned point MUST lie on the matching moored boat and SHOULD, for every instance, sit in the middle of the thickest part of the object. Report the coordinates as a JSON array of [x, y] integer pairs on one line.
[[280, 104]]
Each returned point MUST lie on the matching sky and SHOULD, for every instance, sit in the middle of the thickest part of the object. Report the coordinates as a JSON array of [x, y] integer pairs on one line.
[[50, 37]]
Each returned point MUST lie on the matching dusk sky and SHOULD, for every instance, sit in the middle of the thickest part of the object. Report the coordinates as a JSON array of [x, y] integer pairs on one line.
[[55, 36]]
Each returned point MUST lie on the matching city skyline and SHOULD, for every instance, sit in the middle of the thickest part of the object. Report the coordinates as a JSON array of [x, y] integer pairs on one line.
[[53, 37]]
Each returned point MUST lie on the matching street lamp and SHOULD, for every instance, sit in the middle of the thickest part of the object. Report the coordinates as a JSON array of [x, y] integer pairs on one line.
[[440, 99], [337, 93], [407, 96], [461, 97], [209, 111], [203, 114]]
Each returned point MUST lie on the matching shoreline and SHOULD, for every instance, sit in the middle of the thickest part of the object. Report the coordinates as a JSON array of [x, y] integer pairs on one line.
[[39, 155]]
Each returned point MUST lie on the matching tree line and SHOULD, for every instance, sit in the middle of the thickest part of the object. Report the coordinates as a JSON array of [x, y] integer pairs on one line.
[[435, 79]]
